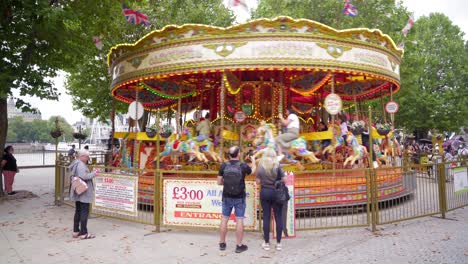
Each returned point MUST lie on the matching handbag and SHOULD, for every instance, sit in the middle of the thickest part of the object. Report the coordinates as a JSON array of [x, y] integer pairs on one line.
[[281, 190], [78, 185]]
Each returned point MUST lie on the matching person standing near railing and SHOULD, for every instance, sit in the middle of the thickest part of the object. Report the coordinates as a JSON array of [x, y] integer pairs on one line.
[[78, 168], [9, 168]]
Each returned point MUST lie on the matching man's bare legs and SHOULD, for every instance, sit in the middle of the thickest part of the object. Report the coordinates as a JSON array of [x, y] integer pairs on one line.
[[239, 231]]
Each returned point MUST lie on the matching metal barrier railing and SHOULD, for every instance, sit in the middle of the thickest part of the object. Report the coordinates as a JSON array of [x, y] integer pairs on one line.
[[331, 199], [419, 197], [323, 198]]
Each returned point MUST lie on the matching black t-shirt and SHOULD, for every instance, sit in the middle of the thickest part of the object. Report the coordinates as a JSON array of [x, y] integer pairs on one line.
[[10, 164], [246, 170]]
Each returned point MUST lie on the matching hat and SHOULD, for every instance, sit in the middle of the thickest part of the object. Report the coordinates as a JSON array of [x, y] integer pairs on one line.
[[83, 152]]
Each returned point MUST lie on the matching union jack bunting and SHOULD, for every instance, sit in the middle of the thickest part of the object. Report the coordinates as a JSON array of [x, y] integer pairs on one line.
[[135, 17], [239, 3], [408, 26], [349, 9]]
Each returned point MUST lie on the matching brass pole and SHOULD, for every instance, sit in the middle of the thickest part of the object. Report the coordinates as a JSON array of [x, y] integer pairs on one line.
[[157, 183], [221, 112]]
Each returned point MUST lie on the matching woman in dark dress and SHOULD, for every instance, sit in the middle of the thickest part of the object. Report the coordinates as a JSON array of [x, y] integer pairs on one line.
[[10, 169]]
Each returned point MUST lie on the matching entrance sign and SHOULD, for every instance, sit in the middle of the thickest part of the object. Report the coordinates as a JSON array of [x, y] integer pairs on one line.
[[391, 107], [198, 203], [333, 104], [116, 193]]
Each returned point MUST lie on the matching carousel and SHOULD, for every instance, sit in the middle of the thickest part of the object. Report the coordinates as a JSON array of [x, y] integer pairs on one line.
[[245, 77]]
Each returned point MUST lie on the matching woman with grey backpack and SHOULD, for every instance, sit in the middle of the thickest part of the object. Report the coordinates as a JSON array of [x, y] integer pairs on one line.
[[78, 168], [268, 173]]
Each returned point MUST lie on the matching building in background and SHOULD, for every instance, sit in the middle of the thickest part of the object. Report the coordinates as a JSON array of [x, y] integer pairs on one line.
[[15, 112]]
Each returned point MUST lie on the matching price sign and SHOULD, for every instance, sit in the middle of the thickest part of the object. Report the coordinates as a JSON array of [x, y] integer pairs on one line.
[[392, 107], [240, 116], [182, 193], [333, 104]]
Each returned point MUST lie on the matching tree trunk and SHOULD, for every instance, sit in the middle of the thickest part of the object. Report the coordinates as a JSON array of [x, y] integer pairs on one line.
[[3, 133]]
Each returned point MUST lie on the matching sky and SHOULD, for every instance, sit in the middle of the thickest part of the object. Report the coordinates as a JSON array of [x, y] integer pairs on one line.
[[454, 9]]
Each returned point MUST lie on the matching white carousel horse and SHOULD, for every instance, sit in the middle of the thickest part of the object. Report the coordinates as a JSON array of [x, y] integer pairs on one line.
[[265, 137], [359, 151], [180, 147], [336, 141]]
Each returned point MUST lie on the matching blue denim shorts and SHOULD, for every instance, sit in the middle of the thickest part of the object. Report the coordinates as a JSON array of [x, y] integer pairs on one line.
[[237, 203]]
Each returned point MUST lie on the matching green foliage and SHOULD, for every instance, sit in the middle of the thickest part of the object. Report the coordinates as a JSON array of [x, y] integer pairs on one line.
[[434, 77], [88, 82], [37, 130], [433, 72]]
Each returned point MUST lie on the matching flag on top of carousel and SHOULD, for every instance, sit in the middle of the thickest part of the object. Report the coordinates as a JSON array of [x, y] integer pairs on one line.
[[98, 42], [408, 26], [135, 17], [239, 3], [349, 9]]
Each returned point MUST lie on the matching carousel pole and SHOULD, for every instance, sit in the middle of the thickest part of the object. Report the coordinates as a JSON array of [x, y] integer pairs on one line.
[[355, 105], [179, 110], [135, 145], [333, 124], [157, 201], [221, 113], [392, 119]]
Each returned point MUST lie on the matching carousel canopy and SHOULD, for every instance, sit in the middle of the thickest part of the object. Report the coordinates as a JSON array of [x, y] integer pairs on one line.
[[254, 61]]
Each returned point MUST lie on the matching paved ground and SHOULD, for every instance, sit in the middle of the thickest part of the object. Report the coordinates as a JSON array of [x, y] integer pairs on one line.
[[33, 230]]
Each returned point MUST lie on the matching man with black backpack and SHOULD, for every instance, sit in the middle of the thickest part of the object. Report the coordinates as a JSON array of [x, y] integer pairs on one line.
[[232, 176]]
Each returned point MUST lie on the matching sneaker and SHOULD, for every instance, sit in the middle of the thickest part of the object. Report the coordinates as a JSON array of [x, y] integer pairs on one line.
[[241, 248], [222, 246], [12, 193], [278, 247], [266, 246]]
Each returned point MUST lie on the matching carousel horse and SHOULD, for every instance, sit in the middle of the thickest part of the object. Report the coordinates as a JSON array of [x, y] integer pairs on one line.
[[265, 138], [180, 147], [336, 141], [205, 146], [391, 147], [359, 151], [379, 156]]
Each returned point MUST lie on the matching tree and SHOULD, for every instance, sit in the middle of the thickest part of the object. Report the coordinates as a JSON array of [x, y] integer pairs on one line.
[[88, 82], [434, 77], [433, 71]]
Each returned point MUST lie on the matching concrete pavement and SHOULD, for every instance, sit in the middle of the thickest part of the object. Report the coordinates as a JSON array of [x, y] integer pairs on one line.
[[33, 230]]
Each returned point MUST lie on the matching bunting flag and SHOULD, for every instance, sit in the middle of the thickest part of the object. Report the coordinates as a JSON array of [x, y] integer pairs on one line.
[[239, 3], [349, 9], [135, 17], [408, 26], [97, 42]]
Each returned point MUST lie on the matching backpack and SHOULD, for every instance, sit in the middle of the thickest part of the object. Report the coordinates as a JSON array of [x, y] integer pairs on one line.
[[233, 181]]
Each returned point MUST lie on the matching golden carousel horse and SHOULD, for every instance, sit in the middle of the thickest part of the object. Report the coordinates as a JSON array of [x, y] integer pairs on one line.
[[391, 147], [359, 151]]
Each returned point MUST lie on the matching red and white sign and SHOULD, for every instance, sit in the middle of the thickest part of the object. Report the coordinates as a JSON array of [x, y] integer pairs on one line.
[[199, 203], [239, 116], [333, 104], [115, 193], [391, 107], [289, 224]]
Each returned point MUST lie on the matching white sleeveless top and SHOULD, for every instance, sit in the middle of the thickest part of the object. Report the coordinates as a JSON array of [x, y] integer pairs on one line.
[[294, 121]]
